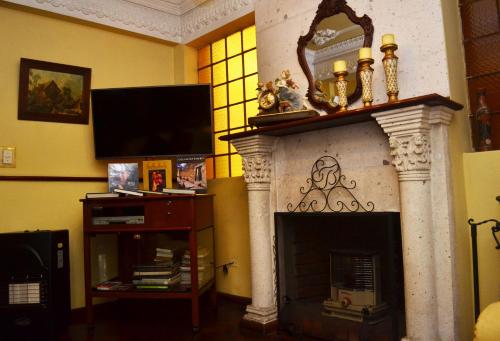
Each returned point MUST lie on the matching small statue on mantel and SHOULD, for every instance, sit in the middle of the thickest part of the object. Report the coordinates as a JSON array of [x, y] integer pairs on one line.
[[280, 96], [483, 118]]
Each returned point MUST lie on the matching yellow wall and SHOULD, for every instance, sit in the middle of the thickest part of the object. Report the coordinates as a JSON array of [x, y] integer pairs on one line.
[[460, 142], [482, 183], [54, 149], [232, 235]]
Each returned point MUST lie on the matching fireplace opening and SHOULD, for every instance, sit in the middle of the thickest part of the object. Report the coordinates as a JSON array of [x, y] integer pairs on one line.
[[340, 275]]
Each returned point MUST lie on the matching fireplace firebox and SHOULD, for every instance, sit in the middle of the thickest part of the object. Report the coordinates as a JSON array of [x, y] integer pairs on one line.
[[339, 276]]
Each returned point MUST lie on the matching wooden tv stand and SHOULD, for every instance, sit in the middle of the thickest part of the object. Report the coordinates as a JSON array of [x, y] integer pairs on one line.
[[137, 224]]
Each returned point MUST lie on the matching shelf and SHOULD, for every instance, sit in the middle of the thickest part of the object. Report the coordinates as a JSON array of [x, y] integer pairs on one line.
[[343, 118]]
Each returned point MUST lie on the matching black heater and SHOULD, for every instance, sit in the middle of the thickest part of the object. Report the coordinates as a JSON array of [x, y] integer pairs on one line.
[[34, 285]]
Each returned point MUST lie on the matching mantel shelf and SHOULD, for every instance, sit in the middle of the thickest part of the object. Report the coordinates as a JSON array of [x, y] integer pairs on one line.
[[344, 118]]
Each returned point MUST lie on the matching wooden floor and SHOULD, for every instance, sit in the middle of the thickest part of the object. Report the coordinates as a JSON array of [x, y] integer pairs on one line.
[[166, 320]]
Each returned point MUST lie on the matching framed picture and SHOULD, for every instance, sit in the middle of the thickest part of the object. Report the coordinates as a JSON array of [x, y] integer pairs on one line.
[[53, 92], [123, 176], [157, 175], [191, 173]]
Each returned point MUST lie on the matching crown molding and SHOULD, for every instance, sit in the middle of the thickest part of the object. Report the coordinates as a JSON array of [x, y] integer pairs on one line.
[[115, 13], [211, 15], [178, 21], [176, 7]]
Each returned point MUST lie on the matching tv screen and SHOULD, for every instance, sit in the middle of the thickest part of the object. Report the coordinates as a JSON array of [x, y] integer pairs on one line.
[[152, 121]]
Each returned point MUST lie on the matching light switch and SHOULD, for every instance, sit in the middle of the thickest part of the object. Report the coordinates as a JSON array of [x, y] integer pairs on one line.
[[7, 156]]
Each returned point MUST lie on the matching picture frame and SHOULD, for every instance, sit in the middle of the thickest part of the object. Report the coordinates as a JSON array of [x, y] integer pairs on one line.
[[53, 92], [123, 176], [191, 173], [156, 175]]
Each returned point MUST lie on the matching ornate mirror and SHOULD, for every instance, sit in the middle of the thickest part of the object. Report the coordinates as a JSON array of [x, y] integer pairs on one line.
[[335, 33]]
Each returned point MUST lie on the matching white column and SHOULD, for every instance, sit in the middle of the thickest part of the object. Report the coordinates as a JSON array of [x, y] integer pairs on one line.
[[444, 225], [256, 152], [409, 140]]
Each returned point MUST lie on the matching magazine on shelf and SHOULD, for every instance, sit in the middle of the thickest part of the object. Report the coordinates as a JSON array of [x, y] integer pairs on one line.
[[101, 195], [178, 191], [124, 176], [108, 285], [128, 192], [191, 173]]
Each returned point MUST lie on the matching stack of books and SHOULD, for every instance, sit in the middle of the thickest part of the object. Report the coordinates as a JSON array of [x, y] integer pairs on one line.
[[205, 269], [162, 274]]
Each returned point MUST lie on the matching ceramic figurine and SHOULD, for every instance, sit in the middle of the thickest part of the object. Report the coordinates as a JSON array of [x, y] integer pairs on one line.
[[483, 118]]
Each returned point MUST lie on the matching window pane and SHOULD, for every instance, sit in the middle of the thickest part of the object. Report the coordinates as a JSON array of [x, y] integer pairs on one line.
[[204, 56], [220, 119], [205, 75], [232, 150], [209, 162], [250, 62], [218, 51], [235, 68], [236, 116], [221, 167], [249, 38], [251, 87], [221, 147], [234, 44], [236, 91], [236, 167], [252, 108], [220, 96], [219, 73]]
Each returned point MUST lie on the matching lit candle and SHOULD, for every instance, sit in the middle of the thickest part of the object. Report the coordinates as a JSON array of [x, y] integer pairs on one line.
[[388, 39], [339, 66], [365, 53]]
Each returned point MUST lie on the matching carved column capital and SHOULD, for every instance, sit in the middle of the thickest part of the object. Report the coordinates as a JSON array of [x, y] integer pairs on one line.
[[409, 140], [256, 152], [411, 152]]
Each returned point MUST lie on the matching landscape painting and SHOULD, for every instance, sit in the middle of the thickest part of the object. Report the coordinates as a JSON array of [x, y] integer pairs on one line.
[[53, 92]]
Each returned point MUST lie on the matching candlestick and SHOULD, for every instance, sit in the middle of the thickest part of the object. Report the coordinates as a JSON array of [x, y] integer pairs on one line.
[[366, 76], [365, 53], [339, 66], [341, 86], [390, 62]]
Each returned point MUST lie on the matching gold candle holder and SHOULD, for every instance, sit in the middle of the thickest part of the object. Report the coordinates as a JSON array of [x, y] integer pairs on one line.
[[366, 75], [341, 86], [390, 62]]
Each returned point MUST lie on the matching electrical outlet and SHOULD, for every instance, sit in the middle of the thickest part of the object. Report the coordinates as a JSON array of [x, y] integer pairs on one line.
[[7, 156]]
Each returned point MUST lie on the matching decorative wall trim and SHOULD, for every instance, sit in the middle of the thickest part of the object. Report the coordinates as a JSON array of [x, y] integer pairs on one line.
[[178, 21], [176, 7], [211, 15], [115, 13]]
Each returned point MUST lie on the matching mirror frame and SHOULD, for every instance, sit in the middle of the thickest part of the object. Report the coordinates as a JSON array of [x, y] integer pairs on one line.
[[326, 9]]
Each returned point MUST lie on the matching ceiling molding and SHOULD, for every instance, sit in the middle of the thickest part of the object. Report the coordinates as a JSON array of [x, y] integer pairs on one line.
[[211, 15], [176, 7], [178, 21]]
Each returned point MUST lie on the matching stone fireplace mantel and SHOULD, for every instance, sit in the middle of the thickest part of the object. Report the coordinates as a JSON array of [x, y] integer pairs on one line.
[[418, 186]]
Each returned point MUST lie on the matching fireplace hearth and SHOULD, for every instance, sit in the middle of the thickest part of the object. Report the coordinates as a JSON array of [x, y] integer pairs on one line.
[[305, 244]]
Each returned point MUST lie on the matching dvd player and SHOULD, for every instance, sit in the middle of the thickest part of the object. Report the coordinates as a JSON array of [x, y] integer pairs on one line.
[[128, 219]]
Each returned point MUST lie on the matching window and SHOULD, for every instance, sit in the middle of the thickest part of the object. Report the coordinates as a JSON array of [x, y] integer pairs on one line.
[[230, 64]]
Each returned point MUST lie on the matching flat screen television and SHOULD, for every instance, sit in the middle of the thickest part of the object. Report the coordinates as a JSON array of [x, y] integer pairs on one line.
[[152, 121]]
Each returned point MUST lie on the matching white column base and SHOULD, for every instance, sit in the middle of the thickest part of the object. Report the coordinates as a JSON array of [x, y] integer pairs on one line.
[[261, 315]]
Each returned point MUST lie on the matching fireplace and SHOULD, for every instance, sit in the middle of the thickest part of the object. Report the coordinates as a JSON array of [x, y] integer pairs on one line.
[[398, 154], [306, 243]]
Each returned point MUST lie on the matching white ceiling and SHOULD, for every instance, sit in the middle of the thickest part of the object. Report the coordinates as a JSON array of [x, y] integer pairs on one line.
[[177, 21]]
